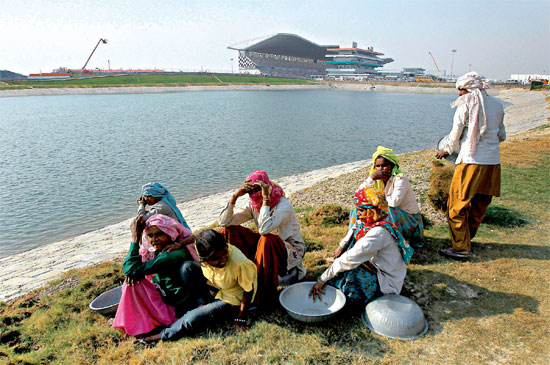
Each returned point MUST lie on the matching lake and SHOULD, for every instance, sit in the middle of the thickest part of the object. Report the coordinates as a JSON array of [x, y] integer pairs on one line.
[[74, 163]]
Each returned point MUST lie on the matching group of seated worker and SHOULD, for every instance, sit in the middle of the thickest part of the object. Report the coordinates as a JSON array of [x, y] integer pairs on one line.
[[178, 284]]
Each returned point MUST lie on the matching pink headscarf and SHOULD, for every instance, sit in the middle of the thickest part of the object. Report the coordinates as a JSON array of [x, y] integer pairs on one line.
[[474, 83], [170, 226], [256, 198]]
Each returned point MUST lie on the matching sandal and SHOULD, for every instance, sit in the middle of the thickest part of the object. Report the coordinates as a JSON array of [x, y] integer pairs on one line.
[[455, 255], [141, 343]]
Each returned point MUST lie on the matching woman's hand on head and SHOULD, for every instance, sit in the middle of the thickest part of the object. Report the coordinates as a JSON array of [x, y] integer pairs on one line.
[[242, 190], [136, 227], [266, 189], [316, 291]]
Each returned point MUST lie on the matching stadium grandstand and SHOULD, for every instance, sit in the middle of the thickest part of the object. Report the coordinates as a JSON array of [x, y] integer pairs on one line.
[[282, 55], [289, 55]]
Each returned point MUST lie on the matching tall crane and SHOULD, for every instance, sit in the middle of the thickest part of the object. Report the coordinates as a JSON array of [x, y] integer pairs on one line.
[[101, 40], [435, 63]]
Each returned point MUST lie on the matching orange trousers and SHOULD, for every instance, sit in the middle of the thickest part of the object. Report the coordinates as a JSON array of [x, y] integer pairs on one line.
[[269, 254], [471, 192]]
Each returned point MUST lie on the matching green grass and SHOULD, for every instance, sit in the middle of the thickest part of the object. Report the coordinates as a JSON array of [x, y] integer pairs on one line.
[[494, 308], [154, 80]]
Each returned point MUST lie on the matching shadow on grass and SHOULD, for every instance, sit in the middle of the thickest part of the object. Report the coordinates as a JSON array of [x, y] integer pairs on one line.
[[345, 331], [503, 217], [445, 298], [481, 252]]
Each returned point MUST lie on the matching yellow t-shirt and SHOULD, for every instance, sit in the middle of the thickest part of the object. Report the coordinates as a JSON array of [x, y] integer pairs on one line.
[[237, 276]]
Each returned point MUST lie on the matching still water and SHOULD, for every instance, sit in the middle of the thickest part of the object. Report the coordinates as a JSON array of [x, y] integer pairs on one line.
[[70, 164]]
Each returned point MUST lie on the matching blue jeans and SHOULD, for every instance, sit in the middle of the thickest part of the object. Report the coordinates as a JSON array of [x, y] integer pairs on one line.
[[199, 319], [194, 285]]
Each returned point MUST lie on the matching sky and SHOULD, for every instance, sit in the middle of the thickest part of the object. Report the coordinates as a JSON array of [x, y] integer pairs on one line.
[[497, 38]]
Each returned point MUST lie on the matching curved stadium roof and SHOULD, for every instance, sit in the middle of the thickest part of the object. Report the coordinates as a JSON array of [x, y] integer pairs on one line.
[[285, 44]]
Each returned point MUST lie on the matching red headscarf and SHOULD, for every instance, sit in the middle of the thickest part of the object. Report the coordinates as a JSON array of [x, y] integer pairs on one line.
[[374, 201], [256, 198]]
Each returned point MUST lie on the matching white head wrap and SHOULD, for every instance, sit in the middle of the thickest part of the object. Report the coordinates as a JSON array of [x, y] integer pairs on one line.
[[474, 83]]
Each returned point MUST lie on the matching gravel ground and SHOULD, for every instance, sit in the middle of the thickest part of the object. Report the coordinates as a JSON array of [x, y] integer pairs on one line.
[[416, 166]]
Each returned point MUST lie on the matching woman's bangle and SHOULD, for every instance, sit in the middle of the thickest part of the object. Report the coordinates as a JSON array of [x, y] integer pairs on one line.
[[320, 281], [238, 320]]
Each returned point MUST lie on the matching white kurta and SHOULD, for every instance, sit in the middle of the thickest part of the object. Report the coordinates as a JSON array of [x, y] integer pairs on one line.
[[380, 248], [399, 193], [487, 149], [281, 220]]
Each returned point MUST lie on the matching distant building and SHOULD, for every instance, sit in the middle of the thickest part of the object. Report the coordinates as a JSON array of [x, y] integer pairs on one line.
[[282, 55], [526, 78], [6, 75], [405, 74], [354, 63], [413, 72], [289, 55], [49, 76]]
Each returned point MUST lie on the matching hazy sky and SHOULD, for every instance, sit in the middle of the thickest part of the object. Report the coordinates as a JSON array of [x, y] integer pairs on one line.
[[496, 37]]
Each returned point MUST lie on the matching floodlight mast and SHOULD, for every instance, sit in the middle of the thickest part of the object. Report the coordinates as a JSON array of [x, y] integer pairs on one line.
[[101, 40]]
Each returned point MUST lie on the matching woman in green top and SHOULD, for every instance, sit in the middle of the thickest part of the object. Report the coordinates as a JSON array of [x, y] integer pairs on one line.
[[146, 305]]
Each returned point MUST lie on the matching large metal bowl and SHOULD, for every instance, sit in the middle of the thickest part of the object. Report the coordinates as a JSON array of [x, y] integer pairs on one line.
[[453, 156], [295, 299], [395, 316], [107, 303]]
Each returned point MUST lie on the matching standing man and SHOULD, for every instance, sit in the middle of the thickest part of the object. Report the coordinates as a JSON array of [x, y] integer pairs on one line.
[[477, 131]]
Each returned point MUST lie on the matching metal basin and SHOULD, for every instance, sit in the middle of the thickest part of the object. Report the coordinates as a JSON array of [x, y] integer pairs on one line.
[[395, 316], [452, 157], [295, 299], [107, 303]]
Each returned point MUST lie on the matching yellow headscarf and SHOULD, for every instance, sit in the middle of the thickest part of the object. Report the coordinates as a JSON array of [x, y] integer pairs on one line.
[[389, 155]]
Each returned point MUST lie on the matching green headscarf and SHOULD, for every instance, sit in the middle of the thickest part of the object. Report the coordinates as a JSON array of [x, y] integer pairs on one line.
[[388, 154]]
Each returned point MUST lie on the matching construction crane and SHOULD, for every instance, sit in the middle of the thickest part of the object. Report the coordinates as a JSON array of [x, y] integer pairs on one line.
[[435, 63], [101, 40]]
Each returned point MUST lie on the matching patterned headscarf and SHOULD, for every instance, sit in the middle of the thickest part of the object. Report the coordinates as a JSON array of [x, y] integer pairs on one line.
[[158, 190], [375, 202], [170, 226], [389, 155], [256, 198], [474, 83]]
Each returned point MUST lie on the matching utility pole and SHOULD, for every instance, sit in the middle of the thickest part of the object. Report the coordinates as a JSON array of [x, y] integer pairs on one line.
[[452, 62]]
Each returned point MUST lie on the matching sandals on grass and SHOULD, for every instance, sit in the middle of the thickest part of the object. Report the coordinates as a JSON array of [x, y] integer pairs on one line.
[[455, 255]]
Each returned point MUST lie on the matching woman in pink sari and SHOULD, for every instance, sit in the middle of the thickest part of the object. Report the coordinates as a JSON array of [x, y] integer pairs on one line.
[[145, 304]]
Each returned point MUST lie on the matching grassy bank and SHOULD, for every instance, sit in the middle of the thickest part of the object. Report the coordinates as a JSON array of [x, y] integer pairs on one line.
[[154, 80], [494, 308]]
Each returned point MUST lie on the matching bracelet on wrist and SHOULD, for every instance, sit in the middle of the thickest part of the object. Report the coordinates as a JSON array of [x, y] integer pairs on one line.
[[238, 320], [320, 281]]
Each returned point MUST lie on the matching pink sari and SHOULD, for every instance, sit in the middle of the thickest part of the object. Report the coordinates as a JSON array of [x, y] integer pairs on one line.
[[141, 309]]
